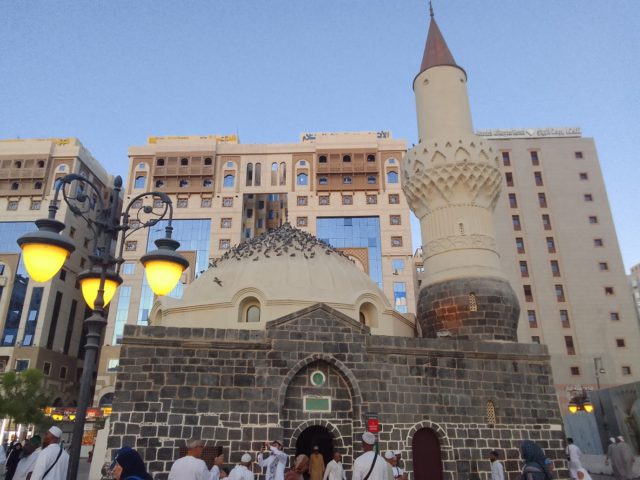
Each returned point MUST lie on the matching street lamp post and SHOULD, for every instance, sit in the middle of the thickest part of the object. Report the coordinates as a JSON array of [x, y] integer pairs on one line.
[[46, 250], [599, 368]]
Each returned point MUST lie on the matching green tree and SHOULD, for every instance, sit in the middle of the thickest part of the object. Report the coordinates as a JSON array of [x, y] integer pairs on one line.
[[23, 397]]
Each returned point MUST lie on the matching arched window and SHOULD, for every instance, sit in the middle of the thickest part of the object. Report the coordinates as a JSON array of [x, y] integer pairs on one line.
[[302, 179], [346, 158], [160, 162], [253, 314], [473, 302], [274, 173], [228, 181], [18, 164], [139, 182], [106, 400], [249, 174], [392, 176], [207, 161], [322, 159], [369, 314], [371, 179], [62, 168], [184, 162], [491, 413], [207, 182], [142, 166], [346, 180], [40, 163], [256, 177], [15, 185], [371, 158], [323, 181], [37, 185], [282, 173], [159, 183], [184, 183]]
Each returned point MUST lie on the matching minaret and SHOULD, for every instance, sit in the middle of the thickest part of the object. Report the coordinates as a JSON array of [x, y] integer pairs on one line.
[[452, 181]]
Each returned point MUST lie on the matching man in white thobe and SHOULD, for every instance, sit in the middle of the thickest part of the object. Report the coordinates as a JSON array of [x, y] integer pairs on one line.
[[497, 469], [574, 455], [364, 463], [29, 456], [626, 458], [191, 466], [242, 471], [52, 461], [274, 463], [218, 462], [335, 470]]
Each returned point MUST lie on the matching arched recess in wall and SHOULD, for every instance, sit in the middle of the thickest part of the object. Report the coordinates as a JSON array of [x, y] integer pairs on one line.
[[274, 174], [256, 175], [282, 173], [249, 310], [491, 413], [368, 314], [249, 179]]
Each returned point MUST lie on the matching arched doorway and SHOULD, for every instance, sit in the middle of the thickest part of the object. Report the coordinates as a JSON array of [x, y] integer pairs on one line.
[[316, 435], [427, 458]]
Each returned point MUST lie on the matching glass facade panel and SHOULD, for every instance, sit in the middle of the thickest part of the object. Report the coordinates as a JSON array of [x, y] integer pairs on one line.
[[124, 298], [400, 296], [345, 232], [32, 316], [193, 235]]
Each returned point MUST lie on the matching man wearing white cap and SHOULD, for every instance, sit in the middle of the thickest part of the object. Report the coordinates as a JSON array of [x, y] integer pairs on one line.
[[242, 471], [623, 458], [274, 463], [52, 462], [369, 465]]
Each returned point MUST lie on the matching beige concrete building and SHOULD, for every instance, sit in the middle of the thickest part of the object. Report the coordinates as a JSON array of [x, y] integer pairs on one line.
[[558, 246], [42, 323], [342, 187], [634, 281]]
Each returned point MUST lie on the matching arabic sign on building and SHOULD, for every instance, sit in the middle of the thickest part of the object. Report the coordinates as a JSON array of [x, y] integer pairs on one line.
[[313, 136], [531, 132]]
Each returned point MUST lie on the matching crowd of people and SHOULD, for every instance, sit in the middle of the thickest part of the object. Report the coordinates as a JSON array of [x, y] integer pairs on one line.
[[37, 459]]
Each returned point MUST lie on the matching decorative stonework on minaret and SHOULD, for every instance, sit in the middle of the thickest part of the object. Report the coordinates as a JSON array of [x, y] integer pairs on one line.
[[452, 182]]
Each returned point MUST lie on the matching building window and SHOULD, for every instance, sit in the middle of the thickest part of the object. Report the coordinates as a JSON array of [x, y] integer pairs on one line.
[[546, 222], [614, 316], [555, 268], [597, 242], [35, 205], [538, 178], [139, 183], [551, 245], [568, 342], [131, 245], [182, 203], [112, 365], [371, 179], [347, 199], [128, 268], [392, 177], [542, 200], [302, 201], [228, 181], [524, 269], [564, 319], [224, 244], [575, 371], [205, 202], [63, 274], [323, 200], [372, 199], [513, 201], [520, 244], [395, 220], [534, 158], [397, 265], [620, 343], [322, 159], [159, 183], [400, 296], [184, 183], [37, 185], [22, 365], [346, 158], [253, 314], [346, 180], [371, 158], [63, 373], [323, 181], [578, 154], [249, 212], [593, 219], [46, 368], [588, 197], [535, 339], [160, 162], [608, 291], [626, 370], [301, 221], [559, 293], [249, 175], [207, 182], [184, 162], [227, 201], [208, 162], [508, 176], [225, 223], [12, 205], [515, 220], [533, 320], [506, 160], [394, 198], [302, 179], [473, 302], [528, 293], [584, 176], [396, 241], [603, 266]]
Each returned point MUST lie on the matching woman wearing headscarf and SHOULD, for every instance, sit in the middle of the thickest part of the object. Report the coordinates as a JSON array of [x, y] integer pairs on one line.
[[299, 469], [129, 466], [534, 462]]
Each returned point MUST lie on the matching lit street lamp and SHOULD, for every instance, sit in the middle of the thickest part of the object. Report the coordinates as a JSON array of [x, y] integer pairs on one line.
[[580, 402], [46, 250]]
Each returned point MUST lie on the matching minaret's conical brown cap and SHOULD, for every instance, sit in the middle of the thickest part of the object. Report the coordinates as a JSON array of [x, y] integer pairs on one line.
[[436, 51]]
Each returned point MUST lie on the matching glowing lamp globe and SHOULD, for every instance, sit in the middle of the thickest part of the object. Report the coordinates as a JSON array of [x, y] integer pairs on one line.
[[90, 282], [163, 267], [45, 251], [573, 408], [588, 407]]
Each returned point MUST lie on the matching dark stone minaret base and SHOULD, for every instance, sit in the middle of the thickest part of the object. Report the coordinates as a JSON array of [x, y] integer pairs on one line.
[[472, 308]]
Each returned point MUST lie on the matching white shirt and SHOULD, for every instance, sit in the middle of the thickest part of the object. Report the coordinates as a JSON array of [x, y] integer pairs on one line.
[[275, 464], [214, 474], [363, 463], [334, 471], [574, 453], [497, 470], [189, 468], [46, 458], [240, 472], [397, 472], [26, 464]]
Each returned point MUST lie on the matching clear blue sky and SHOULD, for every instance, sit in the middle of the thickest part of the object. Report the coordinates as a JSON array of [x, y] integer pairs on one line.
[[114, 72]]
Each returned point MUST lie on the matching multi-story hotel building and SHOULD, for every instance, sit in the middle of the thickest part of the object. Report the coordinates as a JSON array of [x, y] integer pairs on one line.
[[343, 188], [41, 323], [558, 246], [634, 281]]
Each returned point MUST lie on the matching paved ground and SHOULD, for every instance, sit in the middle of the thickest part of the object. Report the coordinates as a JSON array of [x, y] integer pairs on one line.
[[83, 469]]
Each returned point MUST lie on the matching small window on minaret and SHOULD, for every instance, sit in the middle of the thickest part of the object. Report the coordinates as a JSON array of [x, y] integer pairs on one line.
[[473, 303], [461, 228], [491, 413]]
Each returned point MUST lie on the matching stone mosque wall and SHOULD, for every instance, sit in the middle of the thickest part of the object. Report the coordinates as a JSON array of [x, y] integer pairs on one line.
[[239, 388]]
